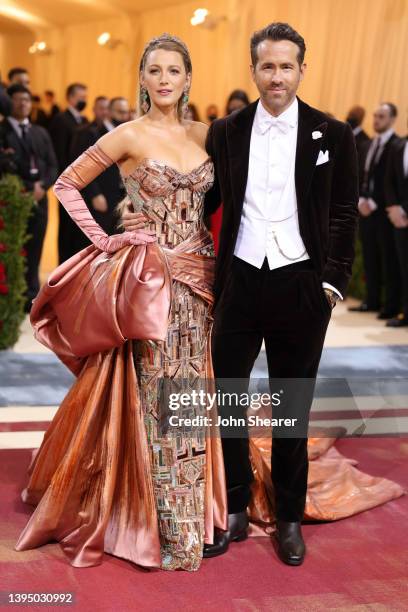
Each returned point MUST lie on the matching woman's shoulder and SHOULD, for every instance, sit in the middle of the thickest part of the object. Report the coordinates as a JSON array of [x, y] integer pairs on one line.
[[123, 139], [198, 130]]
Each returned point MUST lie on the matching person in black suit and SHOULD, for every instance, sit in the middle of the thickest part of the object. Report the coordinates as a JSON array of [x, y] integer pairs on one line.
[[62, 130], [50, 107], [5, 105], [355, 118], [83, 135], [377, 234], [396, 195], [285, 257], [36, 164], [19, 76], [104, 193]]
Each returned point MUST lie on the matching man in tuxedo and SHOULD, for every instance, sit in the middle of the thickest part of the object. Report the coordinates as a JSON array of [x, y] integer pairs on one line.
[[36, 164], [396, 195], [376, 230], [104, 193], [62, 130], [288, 177]]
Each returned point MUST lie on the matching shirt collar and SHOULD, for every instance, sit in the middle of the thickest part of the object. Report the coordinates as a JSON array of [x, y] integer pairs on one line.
[[385, 136], [108, 125], [357, 130], [16, 124], [77, 115], [263, 118]]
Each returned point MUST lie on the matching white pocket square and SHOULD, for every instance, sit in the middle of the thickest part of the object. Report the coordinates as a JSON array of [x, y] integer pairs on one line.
[[316, 134], [323, 158]]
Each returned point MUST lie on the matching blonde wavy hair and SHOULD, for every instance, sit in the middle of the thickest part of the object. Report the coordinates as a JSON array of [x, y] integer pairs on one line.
[[168, 43]]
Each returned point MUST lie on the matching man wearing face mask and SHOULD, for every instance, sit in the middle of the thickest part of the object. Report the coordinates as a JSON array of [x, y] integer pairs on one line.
[[104, 193], [62, 130]]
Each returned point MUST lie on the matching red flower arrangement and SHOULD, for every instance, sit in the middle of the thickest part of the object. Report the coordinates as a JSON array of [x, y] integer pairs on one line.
[[3, 289], [1, 223], [3, 247], [2, 273]]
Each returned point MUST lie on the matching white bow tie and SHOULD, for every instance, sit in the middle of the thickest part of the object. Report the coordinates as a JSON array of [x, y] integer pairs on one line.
[[274, 123]]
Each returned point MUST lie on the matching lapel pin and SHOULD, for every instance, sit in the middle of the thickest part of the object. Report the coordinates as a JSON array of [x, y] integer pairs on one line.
[[316, 134]]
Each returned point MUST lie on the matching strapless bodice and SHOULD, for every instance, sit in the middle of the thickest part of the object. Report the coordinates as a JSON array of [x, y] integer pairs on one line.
[[173, 201]]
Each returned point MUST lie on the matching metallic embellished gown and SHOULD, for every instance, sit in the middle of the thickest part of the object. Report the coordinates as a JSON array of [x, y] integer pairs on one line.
[[107, 478], [173, 204]]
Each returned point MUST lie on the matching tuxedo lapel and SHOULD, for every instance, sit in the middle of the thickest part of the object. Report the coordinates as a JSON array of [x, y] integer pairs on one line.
[[13, 140], [238, 135], [307, 149]]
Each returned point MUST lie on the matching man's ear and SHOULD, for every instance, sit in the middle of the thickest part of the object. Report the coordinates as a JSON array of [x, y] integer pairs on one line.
[[252, 69], [302, 71]]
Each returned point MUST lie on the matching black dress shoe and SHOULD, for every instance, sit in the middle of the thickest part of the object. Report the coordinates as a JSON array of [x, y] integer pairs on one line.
[[363, 307], [397, 322], [387, 314], [291, 547], [237, 531]]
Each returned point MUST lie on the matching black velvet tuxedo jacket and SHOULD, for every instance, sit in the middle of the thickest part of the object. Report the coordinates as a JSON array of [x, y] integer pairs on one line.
[[396, 183], [327, 195]]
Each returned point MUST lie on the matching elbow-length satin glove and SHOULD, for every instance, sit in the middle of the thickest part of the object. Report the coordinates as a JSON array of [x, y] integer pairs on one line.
[[77, 176]]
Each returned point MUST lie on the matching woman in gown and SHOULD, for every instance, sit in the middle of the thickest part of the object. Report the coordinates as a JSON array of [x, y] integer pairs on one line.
[[106, 478], [99, 484]]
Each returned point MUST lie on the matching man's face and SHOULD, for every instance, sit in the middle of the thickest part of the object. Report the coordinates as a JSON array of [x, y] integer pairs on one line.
[[101, 110], [22, 78], [382, 119], [119, 112], [277, 74], [79, 96], [21, 105]]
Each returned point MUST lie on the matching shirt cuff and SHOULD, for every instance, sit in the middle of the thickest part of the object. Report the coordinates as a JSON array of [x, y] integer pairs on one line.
[[329, 286]]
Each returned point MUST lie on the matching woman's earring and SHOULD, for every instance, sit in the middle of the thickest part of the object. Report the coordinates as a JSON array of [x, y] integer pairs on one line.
[[145, 100], [184, 103]]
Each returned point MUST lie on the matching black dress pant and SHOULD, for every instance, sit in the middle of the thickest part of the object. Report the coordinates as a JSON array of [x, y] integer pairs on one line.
[[381, 264], [36, 228], [288, 309], [401, 242], [371, 249]]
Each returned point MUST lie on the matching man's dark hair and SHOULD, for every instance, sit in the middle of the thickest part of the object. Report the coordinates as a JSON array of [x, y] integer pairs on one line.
[[277, 31], [12, 73], [100, 99], [49, 92], [393, 109], [112, 102], [17, 88], [71, 89]]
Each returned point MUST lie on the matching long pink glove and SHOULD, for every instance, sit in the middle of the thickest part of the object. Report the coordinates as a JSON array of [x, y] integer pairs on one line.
[[77, 176]]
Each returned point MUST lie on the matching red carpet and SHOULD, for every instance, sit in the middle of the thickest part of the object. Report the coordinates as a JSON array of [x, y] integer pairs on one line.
[[359, 563]]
